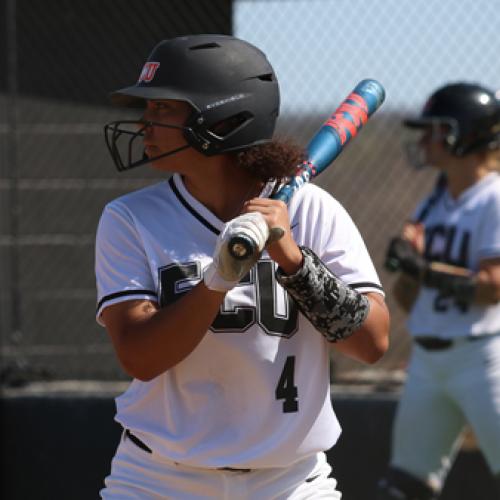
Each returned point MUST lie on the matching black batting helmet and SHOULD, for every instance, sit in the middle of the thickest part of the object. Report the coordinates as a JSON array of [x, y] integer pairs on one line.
[[228, 82], [470, 114]]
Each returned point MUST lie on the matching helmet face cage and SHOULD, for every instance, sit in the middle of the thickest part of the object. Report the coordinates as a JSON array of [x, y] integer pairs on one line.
[[437, 131], [472, 114], [130, 154], [229, 84]]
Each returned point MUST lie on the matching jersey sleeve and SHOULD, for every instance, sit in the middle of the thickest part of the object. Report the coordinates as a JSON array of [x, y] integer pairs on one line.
[[488, 243], [121, 265], [332, 234]]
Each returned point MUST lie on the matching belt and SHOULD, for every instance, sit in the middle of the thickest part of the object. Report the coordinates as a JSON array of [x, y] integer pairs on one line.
[[438, 344], [144, 447]]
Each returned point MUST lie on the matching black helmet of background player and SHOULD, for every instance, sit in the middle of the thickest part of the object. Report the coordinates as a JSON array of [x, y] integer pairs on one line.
[[228, 82], [465, 116]]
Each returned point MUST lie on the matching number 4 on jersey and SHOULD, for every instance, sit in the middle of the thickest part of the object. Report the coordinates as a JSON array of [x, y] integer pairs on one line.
[[286, 388]]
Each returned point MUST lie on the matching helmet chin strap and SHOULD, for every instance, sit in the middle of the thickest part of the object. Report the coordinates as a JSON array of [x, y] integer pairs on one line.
[[114, 131], [146, 159]]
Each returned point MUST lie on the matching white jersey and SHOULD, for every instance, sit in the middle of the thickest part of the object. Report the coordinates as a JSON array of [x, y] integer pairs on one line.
[[461, 232], [255, 392]]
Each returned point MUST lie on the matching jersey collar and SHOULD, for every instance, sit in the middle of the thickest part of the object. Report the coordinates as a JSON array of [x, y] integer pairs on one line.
[[197, 209], [193, 206], [471, 191]]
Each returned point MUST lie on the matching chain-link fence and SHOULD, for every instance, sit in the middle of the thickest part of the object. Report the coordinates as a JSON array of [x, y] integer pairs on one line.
[[59, 60]]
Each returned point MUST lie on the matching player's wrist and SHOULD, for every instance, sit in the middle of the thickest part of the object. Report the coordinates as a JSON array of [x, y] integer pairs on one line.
[[225, 271], [290, 259], [215, 282]]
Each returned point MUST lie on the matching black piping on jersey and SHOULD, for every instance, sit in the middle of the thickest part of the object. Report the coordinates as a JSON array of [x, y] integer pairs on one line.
[[112, 296], [439, 190], [366, 284], [193, 212]]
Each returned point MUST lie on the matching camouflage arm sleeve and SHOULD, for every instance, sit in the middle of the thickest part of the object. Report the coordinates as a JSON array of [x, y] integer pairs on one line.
[[335, 309]]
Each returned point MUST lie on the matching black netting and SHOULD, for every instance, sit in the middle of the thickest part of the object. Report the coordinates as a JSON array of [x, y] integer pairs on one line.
[[59, 59]]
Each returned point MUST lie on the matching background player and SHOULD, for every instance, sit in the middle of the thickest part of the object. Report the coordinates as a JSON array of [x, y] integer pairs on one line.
[[230, 392], [454, 373]]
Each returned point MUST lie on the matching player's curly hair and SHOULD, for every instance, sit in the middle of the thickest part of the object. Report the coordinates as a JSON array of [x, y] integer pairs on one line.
[[276, 160]]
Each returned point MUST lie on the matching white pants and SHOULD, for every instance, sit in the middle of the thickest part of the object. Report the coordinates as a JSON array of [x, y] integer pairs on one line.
[[444, 390], [138, 474]]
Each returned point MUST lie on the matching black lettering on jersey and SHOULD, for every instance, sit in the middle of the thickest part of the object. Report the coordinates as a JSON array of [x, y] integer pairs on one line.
[[443, 302], [235, 319], [284, 325], [177, 279], [432, 234], [286, 388], [443, 251], [440, 242], [463, 257]]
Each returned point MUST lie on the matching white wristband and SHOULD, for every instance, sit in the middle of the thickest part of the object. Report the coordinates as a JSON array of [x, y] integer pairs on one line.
[[214, 281], [225, 272]]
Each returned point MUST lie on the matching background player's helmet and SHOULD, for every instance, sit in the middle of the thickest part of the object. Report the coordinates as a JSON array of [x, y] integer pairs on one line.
[[470, 114], [228, 82]]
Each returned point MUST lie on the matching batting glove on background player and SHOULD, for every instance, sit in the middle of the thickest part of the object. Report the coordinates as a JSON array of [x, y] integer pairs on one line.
[[225, 271]]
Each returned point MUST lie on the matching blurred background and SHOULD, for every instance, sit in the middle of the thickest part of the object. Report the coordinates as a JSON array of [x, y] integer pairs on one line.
[[59, 59]]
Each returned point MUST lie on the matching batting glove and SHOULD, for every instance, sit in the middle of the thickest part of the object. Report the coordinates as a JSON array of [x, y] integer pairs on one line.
[[225, 271]]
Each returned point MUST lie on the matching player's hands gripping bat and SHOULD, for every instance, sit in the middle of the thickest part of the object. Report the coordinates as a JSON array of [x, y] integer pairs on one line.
[[225, 272], [452, 281], [324, 147]]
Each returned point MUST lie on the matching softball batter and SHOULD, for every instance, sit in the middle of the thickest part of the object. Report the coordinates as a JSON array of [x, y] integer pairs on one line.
[[230, 393]]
